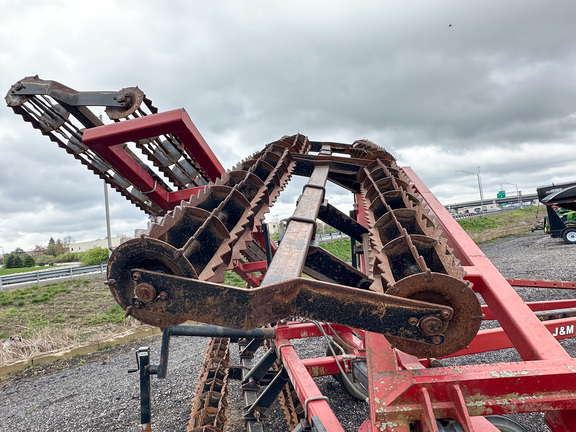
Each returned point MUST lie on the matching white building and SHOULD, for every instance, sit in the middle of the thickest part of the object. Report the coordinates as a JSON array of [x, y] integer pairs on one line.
[[91, 244]]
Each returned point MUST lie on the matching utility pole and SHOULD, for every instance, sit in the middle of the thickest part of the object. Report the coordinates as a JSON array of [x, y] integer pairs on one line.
[[108, 231], [107, 207], [477, 174]]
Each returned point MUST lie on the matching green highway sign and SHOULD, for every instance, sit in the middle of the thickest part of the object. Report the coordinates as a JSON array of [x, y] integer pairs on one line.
[[501, 194]]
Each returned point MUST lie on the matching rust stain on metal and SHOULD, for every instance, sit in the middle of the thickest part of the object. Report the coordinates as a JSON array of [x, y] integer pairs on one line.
[[317, 371]]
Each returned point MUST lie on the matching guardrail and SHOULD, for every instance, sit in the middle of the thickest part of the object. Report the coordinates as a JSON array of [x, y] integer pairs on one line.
[[43, 275], [467, 215], [488, 212], [328, 237]]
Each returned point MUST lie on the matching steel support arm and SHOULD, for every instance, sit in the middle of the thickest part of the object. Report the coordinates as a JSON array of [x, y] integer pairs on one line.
[[185, 299]]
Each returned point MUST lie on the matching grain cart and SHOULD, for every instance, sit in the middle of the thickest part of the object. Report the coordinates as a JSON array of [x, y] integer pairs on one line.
[[560, 204], [410, 302]]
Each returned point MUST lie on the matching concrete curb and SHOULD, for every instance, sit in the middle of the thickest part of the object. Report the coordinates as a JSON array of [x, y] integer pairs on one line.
[[51, 357]]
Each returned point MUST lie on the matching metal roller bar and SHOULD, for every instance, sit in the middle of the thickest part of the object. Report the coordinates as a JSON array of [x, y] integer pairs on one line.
[[63, 115], [291, 255], [409, 256], [182, 299]]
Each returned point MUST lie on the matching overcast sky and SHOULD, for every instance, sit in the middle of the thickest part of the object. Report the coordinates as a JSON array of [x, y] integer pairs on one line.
[[442, 85]]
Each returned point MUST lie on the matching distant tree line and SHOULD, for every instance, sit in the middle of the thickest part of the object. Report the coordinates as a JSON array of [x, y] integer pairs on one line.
[[55, 252], [18, 259]]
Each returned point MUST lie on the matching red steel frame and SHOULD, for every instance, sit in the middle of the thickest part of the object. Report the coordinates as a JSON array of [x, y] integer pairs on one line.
[[532, 339], [107, 142], [403, 388]]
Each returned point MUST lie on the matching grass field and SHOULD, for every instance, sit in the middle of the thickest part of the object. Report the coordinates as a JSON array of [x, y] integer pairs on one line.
[[57, 316], [61, 315], [5, 272], [339, 248], [503, 219], [81, 303]]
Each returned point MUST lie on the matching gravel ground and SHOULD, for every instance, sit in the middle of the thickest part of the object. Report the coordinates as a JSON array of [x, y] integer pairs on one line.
[[95, 392]]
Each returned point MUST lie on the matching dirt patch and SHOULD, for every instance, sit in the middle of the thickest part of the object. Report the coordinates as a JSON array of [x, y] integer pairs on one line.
[[519, 227]]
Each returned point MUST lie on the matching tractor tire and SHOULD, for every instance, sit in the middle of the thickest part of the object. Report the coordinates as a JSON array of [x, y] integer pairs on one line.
[[505, 424], [569, 235], [502, 423]]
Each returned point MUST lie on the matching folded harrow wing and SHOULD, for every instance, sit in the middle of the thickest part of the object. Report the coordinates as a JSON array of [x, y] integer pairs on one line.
[[410, 297]]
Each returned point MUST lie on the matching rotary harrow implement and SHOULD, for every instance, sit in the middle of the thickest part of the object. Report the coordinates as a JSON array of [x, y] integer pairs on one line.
[[410, 298]]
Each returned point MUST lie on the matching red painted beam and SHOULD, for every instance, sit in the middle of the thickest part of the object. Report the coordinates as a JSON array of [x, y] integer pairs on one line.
[[542, 283], [314, 403], [176, 122], [485, 389], [536, 307], [174, 198], [322, 366], [257, 266], [107, 142], [496, 339], [530, 338], [300, 330]]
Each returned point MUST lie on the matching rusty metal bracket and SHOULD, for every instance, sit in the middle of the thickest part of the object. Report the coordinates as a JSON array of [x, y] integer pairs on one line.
[[337, 219], [322, 265], [186, 299], [66, 95]]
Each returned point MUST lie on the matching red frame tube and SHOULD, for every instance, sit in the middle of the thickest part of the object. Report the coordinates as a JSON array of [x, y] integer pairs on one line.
[[106, 142], [542, 283], [309, 394], [531, 338]]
